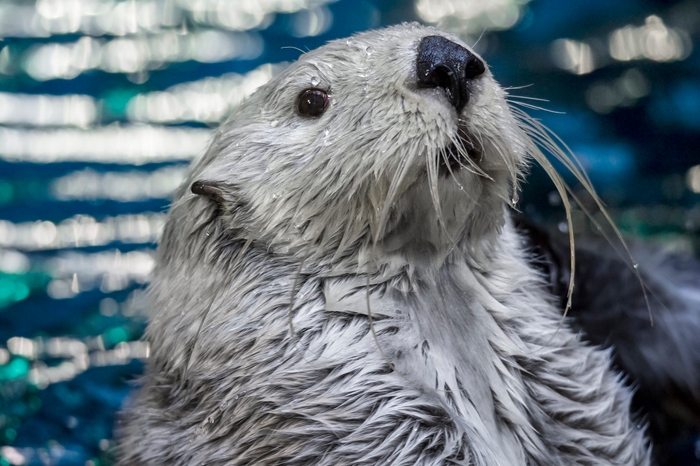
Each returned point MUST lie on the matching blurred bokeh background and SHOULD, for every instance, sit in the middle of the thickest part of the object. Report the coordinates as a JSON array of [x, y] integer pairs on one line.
[[104, 102]]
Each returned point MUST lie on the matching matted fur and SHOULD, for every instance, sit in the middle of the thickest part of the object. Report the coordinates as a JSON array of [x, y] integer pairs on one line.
[[420, 335]]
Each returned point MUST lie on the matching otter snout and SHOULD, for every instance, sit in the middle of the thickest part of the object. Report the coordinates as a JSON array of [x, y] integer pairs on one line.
[[445, 64]]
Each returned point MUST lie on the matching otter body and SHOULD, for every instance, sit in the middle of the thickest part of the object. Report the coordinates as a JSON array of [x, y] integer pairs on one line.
[[339, 283]]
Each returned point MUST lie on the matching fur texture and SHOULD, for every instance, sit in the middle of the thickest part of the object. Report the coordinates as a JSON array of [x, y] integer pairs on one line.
[[362, 303], [663, 359]]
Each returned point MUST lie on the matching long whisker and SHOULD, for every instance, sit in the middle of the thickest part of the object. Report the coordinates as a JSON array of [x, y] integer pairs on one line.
[[542, 135], [533, 107], [526, 97]]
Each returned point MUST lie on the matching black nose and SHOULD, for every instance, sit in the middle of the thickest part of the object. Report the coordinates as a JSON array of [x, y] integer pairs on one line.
[[442, 63]]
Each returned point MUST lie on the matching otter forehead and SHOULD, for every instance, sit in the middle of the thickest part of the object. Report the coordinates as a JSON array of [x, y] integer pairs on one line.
[[413, 123], [374, 70], [371, 79]]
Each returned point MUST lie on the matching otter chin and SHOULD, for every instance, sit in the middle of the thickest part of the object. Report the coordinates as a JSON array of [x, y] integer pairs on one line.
[[340, 282]]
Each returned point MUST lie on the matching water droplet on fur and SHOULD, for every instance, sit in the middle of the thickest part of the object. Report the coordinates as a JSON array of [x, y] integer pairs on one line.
[[369, 50], [207, 233], [348, 42], [315, 81], [274, 123], [635, 265]]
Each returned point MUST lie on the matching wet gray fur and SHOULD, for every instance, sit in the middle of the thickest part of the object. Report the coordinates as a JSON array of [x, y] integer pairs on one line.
[[347, 216]]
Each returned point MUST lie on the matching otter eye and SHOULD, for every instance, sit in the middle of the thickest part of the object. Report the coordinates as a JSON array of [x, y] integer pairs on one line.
[[312, 102]]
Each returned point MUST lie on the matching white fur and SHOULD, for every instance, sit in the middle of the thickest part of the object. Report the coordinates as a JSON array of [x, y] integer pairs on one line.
[[346, 218]]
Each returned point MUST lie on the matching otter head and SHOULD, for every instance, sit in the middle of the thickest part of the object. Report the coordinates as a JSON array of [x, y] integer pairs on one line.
[[396, 140]]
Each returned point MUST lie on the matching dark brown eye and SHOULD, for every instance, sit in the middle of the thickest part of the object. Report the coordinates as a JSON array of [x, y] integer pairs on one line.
[[312, 102]]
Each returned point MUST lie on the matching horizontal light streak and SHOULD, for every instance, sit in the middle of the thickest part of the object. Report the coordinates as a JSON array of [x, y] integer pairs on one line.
[[133, 54], [76, 272], [47, 110], [129, 186], [471, 16], [653, 41], [129, 144], [81, 231], [108, 17], [207, 100]]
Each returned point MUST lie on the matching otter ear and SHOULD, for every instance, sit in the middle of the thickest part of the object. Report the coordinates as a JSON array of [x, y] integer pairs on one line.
[[210, 189]]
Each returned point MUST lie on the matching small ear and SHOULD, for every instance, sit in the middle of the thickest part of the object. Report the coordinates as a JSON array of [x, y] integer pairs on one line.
[[210, 189]]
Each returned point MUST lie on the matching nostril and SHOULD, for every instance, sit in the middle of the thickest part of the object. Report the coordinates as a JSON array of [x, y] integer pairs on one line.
[[447, 65], [474, 68]]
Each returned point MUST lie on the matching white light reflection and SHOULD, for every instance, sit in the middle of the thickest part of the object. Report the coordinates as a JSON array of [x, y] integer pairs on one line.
[[79, 356], [20, 346], [653, 41], [137, 53], [471, 16], [5, 67], [109, 271], [13, 262], [692, 179], [91, 17], [308, 23], [47, 110], [208, 100], [130, 186], [573, 56], [137, 304], [42, 375], [134, 145], [74, 355], [13, 455], [82, 231], [109, 17], [604, 97], [243, 14], [122, 353]]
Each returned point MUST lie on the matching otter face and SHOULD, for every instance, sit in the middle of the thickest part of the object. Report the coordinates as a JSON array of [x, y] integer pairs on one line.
[[392, 137]]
